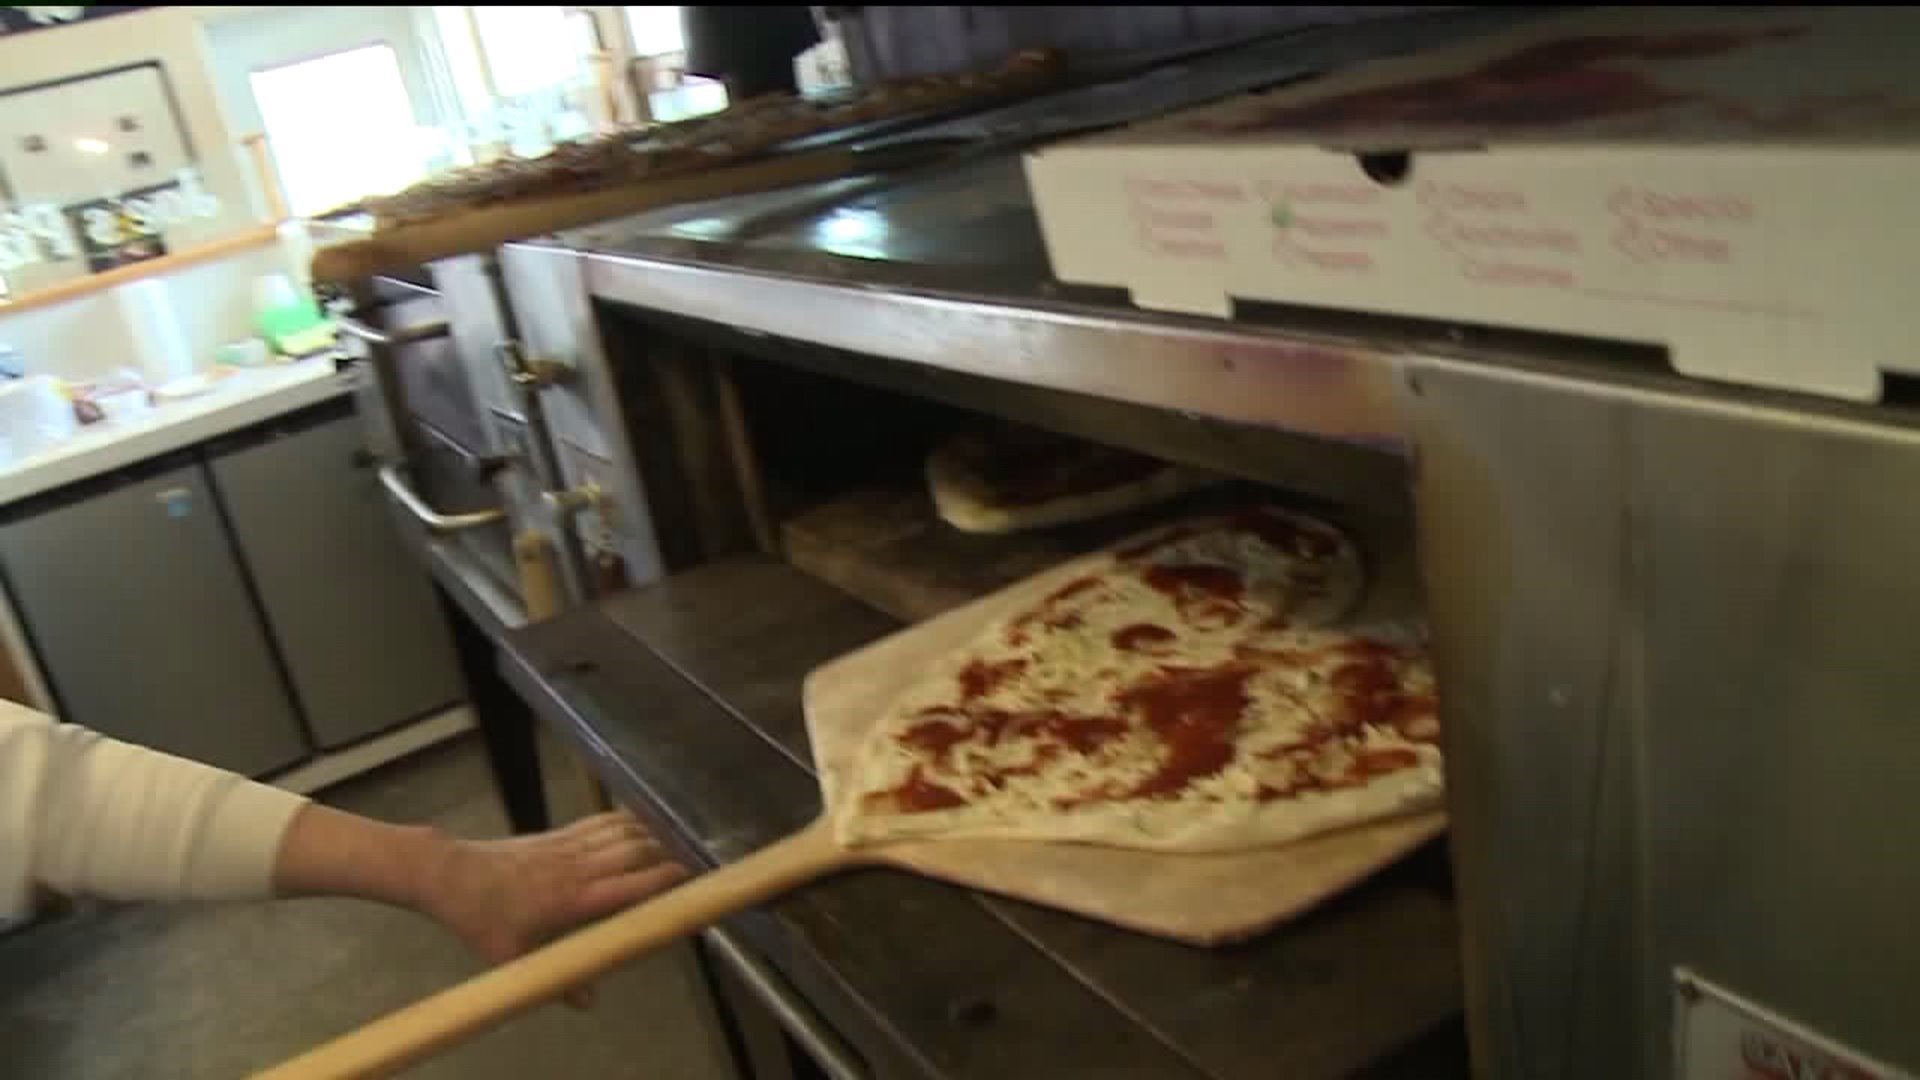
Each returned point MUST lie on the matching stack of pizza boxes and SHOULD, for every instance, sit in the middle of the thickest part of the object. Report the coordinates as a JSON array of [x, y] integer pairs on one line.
[[1729, 185]]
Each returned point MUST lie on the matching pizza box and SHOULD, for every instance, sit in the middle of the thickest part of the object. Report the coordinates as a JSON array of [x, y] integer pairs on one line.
[[1726, 183]]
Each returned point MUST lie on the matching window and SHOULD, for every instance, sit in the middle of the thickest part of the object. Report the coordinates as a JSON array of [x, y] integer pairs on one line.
[[522, 74], [528, 49], [463, 60], [341, 127], [655, 31], [659, 43]]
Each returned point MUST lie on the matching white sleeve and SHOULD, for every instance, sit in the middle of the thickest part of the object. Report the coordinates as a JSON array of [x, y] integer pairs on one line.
[[88, 816]]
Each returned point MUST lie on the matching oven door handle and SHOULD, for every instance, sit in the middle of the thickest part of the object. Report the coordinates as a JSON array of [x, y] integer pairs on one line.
[[377, 337], [435, 522], [406, 335], [828, 1050]]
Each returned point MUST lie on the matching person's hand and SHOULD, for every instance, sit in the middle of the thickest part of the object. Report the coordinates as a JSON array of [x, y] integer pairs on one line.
[[507, 897]]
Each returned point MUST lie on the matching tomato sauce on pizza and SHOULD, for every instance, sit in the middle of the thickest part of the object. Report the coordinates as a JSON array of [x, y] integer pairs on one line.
[[1193, 690]]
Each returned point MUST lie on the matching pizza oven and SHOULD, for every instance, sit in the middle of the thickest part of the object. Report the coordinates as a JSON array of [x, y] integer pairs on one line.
[[1664, 613]]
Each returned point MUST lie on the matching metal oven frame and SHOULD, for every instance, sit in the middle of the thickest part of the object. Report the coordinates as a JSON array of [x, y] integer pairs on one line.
[[1665, 620], [1665, 613]]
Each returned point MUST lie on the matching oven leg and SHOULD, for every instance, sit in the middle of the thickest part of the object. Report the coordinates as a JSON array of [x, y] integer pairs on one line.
[[506, 724], [758, 1048]]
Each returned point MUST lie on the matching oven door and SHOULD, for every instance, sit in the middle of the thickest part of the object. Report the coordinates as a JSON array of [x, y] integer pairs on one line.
[[573, 416], [428, 440]]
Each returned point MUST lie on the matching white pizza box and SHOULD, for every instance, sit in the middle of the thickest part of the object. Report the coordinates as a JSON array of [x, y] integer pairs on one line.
[[1736, 185]]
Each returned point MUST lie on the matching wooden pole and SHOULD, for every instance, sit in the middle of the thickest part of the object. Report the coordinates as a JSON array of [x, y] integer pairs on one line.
[[268, 174]]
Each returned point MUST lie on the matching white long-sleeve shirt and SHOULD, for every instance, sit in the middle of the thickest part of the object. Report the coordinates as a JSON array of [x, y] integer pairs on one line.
[[88, 816]]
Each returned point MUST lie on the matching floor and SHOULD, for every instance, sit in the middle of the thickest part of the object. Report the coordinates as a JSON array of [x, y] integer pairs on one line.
[[220, 990]]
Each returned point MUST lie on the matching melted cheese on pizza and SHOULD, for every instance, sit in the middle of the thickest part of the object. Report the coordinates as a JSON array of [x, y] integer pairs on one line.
[[1188, 693]]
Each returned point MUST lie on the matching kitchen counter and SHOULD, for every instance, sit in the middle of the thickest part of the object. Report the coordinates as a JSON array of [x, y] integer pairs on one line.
[[246, 397]]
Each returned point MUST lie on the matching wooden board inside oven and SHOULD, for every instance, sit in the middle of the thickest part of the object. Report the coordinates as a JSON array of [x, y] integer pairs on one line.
[[887, 546], [906, 566]]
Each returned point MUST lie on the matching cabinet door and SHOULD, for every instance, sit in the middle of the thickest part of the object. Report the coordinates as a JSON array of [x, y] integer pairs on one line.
[[353, 612], [137, 608]]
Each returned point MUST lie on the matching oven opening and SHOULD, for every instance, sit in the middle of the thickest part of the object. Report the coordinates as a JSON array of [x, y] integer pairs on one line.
[[821, 458], [787, 487]]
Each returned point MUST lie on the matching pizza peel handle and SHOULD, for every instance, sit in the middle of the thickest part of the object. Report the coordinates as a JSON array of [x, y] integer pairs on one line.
[[401, 1038]]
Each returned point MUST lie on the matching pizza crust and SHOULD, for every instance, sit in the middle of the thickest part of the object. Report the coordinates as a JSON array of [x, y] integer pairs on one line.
[[1172, 828]]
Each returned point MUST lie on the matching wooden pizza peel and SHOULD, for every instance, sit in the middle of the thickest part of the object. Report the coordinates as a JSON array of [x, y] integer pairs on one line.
[[1198, 899], [485, 227]]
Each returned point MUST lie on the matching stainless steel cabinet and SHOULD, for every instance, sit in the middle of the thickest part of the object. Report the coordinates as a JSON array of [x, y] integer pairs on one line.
[[143, 624], [354, 615]]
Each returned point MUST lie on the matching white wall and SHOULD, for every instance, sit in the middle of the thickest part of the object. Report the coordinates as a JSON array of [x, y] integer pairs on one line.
[[170, 36], [208, 53], [89, 336]]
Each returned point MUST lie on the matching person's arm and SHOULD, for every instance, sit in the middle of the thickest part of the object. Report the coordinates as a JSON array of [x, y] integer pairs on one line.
[[88, 816], [502, 897], [84, 815]]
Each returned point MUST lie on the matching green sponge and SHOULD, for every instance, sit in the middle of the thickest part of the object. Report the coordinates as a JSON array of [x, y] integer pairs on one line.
[[314, 339], [283, 312]]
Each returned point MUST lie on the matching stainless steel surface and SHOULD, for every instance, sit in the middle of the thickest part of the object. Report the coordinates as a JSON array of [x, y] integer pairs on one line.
[[493, 606], [142, 621], [950, 270], [528, 378], [491, 348], [420, 381], [824, 1047], [477, 328], [1299, 384], [364, 642], [379, 394], [421, 410], [406, 335], [461, 481], [396, 487], [1670, 634], [585, 415], [894, 41]]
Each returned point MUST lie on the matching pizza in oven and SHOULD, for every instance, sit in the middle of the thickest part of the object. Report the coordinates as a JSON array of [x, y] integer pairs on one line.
[[1013, 479], [1194, 690]]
